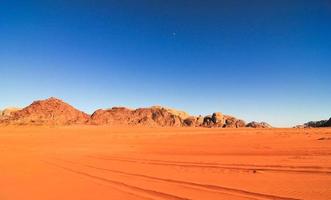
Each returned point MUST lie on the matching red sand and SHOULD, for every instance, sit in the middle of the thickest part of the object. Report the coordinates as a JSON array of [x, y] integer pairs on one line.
[[43, 163]]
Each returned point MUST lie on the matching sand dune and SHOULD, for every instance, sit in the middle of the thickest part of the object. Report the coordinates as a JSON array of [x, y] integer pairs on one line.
[[86, 162]]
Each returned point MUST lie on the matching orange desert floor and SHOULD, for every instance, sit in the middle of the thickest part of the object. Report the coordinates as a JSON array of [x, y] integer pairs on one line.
[[97, 163]]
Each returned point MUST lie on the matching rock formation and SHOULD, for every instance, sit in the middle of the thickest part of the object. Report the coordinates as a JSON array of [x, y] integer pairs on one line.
[[193, 121], [232, 122], [51, 111], [208, 121], [178, 113], [258, 125], [152, 117], [219, 120], [328, 123], [7, 112], [315, 124]]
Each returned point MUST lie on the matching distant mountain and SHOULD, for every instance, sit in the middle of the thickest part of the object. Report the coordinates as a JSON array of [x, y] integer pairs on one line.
[[315, 124], [53, 111], [328, 123], [258, 125]]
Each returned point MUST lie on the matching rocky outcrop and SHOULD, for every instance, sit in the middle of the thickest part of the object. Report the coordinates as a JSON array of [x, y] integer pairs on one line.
[[315, 124], [157, 116], [258, 125], [328, 123], [7, 112], [232, 122], [151, 117], [54, 111], [208, 121], [51, 111], [219, 120], [190, 121], [193, 121], [178, 113]]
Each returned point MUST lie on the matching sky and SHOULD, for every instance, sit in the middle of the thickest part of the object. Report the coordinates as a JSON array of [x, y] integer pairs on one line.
[[256, 60]]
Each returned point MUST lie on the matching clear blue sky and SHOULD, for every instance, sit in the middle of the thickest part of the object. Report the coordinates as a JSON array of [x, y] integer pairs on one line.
[[257, 60]]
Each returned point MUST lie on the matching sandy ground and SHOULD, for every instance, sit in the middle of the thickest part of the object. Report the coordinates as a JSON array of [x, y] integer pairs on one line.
[[80, 163]]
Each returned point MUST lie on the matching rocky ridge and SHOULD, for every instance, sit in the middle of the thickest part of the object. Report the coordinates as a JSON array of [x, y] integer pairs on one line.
[[53, 111], [315, 124], [258, 125]]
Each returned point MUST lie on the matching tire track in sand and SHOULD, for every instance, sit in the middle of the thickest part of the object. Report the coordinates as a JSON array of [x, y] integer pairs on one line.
[[246, 168], [140, 191], [208, 187]]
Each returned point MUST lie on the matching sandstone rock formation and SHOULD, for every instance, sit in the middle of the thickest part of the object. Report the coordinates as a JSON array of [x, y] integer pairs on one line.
[[232, 122], [258, 125], [218, 119], [208, 121], [152, 117], [222, 121], [315, 124], [193, 121], [190, 121], [7, 112], [178, 113], [51, 111]]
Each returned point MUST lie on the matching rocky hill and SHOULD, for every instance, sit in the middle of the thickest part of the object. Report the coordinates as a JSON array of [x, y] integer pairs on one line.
[[315, 124], [216, 120], [51, 111], [178, 113], [328, 123], [151, 117], [258, 125], [7, 112], [54, 111]]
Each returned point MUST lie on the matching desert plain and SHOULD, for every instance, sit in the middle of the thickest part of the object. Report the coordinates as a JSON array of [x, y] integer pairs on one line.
[[102, 162]]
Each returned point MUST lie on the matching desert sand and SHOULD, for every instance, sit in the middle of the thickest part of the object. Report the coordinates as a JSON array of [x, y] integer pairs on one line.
[[97, 162]]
